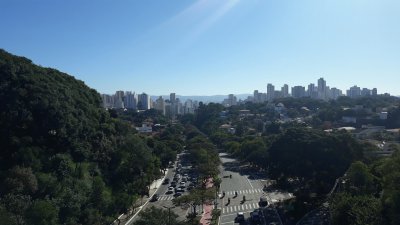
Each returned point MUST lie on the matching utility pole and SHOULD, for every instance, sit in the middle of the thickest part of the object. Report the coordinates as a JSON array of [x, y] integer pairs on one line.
[[169, 213]]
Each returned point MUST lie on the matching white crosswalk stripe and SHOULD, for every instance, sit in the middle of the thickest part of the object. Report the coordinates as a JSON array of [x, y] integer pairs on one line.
[[239, 208], [242, 192], [165, 197]]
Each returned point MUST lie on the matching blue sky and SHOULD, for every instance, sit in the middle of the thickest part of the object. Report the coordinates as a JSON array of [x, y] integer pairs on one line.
[[206, 47]]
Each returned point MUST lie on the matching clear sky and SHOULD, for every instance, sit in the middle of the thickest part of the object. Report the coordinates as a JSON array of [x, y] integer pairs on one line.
[[206, 47]]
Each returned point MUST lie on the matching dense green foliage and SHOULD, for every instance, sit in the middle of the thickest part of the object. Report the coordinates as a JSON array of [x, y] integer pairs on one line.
[[370, 194], [158, 216], [307, 161], [64, 159]]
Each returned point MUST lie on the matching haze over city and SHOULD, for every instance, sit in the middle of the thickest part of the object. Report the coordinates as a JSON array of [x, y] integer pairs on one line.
[[209, 47]]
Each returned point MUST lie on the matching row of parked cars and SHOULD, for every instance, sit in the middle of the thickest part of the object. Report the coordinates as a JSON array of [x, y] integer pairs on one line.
[[183, 180], [255, 217]]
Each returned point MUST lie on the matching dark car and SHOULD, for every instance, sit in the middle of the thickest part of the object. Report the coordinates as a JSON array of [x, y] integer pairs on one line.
[[239, 217], [256, 216], [166, 181], [154, 198], [177, 194]]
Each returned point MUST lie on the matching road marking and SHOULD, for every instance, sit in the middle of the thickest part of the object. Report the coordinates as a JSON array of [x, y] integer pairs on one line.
[[232, 214], [249, 183], [227, 223]]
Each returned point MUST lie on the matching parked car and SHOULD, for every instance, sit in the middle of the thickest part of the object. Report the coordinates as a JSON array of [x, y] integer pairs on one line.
[[177, 194], [179, 190], [256, 216], [166, 181], [263, 201], [170, 190], [239, 217], [154, 198]]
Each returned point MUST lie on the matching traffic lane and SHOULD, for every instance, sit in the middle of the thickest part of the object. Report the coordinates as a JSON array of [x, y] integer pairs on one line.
[[239, 183]]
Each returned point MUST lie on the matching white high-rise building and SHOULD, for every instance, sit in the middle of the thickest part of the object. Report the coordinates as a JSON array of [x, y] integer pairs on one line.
[[189, 107], [354, 92], [119, 100], [130, 100], [108, 101], [160, 105], [335, 93], [312, 91]]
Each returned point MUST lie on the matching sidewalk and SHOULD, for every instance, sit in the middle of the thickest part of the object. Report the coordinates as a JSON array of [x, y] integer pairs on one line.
[[207, 208], [140, 203]]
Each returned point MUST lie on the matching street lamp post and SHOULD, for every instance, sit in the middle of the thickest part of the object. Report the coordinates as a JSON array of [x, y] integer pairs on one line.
[[169, 213]]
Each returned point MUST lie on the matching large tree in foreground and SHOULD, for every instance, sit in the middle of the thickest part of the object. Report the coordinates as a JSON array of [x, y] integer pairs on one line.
[[158, 216]]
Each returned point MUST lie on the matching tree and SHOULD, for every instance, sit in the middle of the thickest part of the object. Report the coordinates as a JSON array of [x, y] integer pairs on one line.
[[42, 212], [356, 210], [360, 180], [157, 216]]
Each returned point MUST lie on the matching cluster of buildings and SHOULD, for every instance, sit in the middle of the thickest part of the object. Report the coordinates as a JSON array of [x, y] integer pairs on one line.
[[130, 100], [319, 91], [173, 106]]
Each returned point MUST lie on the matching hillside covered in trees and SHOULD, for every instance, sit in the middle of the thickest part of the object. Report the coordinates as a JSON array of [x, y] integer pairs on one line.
[[63, 158]]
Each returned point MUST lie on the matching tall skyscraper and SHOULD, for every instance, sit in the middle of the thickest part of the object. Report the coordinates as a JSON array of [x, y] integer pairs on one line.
[[335, 93], [143, 102], [270, 92], [130, 100], [374, 92], [108, 101], [119, 100], [312, 91], [232, 99], [321, 88], [160, 105], [256, 96], [172, 98], [285, 91]]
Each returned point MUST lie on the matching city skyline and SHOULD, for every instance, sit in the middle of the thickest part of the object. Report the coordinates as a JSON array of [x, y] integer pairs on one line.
[[205, 47], [173, 105], [319, 90]]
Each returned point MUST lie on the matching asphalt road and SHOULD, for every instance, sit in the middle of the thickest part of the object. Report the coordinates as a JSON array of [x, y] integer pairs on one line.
[[249, 183], [165, 199], [244, 184]]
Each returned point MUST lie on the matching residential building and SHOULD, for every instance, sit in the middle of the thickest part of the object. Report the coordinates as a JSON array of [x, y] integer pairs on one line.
[[321, 88], [143, 101], [270, 92], [354, 92], [285, 91], [160, 105], [298, 91]]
